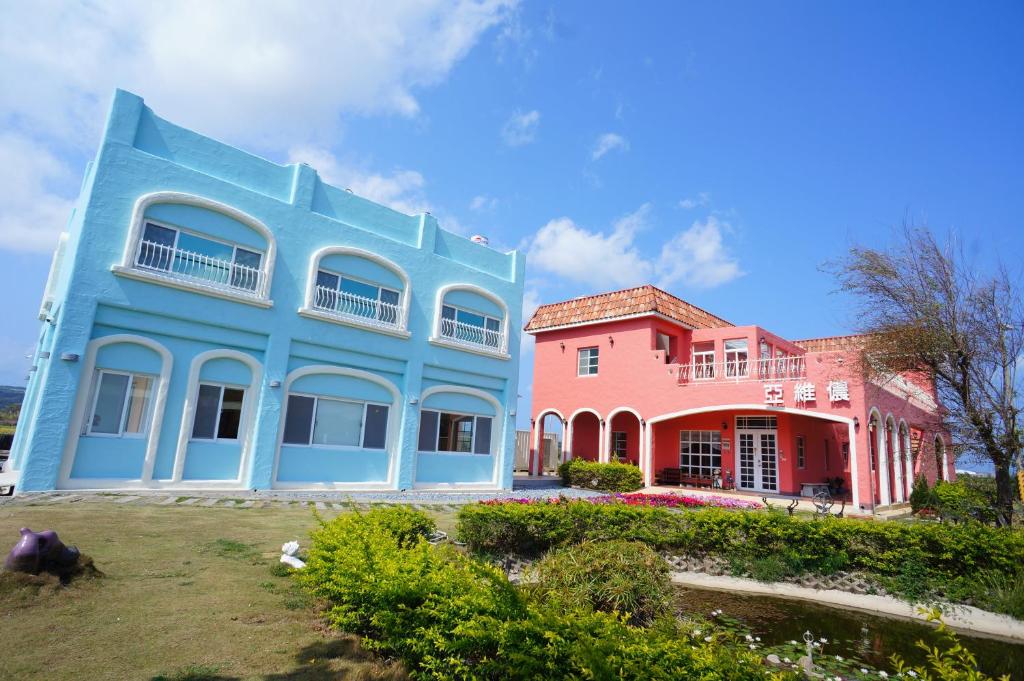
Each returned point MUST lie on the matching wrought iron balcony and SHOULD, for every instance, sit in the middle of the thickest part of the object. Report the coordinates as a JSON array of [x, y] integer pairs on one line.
[[360, 309], [476, 337], [200, 270]]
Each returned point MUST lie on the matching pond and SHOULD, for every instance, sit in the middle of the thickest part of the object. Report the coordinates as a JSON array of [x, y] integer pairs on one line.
[[853, 635]]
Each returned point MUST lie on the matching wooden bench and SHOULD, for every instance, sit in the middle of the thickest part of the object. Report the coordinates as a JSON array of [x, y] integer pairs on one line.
[[674, 476]]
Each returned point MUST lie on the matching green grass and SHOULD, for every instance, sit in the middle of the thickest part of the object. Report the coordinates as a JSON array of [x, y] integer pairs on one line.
[[189, 593]]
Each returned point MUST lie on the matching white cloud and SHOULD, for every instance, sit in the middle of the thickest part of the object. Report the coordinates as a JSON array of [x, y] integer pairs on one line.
[[521, 128], [698, 257], [608, 142], [689, 203], [260, 75], [31, 212], [595, 258], [482, 203]]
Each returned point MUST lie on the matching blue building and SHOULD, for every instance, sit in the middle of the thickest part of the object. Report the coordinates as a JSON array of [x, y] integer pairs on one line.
[[215, 320]]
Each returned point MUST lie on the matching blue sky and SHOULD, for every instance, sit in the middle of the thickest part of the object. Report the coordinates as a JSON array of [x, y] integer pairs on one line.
[[723, 150]]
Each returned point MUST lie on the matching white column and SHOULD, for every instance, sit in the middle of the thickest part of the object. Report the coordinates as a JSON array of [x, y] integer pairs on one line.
[[908, 460], [897, 464], [854, 465], [536, 454], [640, 449], [649, 455], [883, 465], [602, 451]]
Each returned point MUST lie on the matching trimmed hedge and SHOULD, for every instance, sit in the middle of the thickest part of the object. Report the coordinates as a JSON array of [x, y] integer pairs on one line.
[[948, 556], [447, 615], [606, 477]]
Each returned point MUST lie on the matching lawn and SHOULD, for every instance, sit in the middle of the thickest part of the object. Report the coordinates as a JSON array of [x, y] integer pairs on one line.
[[188, 594]]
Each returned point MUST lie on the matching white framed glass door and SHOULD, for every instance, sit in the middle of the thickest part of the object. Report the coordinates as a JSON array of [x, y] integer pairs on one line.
[[758, 461]]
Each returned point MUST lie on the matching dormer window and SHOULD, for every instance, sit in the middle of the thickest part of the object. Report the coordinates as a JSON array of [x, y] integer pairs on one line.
[[206, 261], [344, 295]]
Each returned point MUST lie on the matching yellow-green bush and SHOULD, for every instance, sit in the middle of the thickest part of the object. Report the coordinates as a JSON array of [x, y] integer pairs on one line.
[[606, 477], [447, 615]]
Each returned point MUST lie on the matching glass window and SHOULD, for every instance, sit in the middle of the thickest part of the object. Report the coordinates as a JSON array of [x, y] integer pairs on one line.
[[331, 422], [218, 412], [207, 406], [736, 357], [704, 360], [230, 414], [756, 423], [469, 326], [121, 404], [586, 362], [700, 452], [800, 451], [337, 423], [447, 432], [298, 423], [619, 444], [428, 431], [375, 433], [483, 435]]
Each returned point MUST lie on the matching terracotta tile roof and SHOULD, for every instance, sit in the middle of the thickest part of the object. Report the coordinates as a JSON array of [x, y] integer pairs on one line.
[[628, 302], [832, 343]]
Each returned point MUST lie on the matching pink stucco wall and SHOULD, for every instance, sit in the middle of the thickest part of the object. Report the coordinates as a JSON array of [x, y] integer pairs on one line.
[[634, 374]]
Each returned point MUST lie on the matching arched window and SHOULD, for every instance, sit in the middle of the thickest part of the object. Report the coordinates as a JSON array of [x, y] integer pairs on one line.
[[358, 288], [471, 318], [195, 243]]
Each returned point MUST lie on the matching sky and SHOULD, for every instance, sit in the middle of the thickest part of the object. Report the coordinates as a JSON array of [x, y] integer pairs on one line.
[[723, 151]]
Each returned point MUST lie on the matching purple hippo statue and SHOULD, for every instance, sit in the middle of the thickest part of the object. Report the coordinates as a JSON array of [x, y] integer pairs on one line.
[[41, 552]]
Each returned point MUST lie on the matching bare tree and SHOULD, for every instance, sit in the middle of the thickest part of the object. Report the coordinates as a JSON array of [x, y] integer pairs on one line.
[[926, 310]]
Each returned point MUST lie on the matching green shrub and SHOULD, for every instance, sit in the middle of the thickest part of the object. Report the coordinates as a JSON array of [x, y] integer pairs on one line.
[[920, 494], [447, 615], [606, 477], [950, 556], [965, 500], [609, 576], [1001, 592]]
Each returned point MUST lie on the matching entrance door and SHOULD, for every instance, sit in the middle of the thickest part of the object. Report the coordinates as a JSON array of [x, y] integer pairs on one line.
[[758, 461]]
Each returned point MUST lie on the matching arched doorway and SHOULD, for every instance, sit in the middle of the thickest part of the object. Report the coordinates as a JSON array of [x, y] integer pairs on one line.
[[547, 450], [585, 435], [624, 436]]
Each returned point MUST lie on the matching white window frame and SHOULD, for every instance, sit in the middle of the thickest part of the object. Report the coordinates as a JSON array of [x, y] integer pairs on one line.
[[732, 359], [593, 360], [690, 467], [703, 356], [380, 287], [128, 265], [801, 456], [436, 338], [201, 235], [437, 433], [362, 423], [220, 410], [91, 414]]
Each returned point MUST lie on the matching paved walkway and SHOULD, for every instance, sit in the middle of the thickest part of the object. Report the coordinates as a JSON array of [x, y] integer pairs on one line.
[[523, 488]]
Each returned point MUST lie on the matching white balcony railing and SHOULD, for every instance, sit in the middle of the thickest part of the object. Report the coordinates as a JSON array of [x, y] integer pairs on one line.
[[472, 336], [359, 308], [201, 270], [774, 369]]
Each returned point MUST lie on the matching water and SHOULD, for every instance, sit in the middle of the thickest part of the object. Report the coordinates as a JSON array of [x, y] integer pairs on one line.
[[851, 634]]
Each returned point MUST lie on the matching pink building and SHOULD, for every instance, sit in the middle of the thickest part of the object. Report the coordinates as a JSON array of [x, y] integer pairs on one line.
[[642, 376]]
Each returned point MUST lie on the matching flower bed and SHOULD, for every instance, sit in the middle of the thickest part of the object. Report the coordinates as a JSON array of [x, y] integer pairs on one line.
[[641, 499]]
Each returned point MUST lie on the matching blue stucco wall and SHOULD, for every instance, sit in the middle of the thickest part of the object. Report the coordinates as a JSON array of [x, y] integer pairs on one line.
[[140, 154]]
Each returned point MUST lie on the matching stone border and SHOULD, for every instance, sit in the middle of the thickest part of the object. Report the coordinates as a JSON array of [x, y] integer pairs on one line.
[[962, 618]]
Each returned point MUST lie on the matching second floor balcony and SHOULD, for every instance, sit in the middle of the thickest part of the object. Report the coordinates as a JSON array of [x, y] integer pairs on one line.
[[202, 270], [360, 309], [490, 337], [738, 370]]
